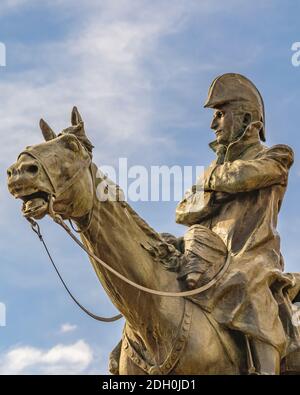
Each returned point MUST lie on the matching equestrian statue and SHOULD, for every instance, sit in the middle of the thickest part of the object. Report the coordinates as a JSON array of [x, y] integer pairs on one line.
[[215, 301]]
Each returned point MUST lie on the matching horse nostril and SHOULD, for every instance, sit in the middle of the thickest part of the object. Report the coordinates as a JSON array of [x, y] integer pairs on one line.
[[33, 169]]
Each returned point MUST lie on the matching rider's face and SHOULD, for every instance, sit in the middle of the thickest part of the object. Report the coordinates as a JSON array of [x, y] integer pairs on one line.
[[223, 125]]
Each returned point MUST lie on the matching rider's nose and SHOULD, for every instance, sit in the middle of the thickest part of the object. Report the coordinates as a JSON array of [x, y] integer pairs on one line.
[[214, 123]]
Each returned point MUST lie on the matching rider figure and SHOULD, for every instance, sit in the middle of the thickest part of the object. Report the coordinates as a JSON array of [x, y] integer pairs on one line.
[[243, 192]]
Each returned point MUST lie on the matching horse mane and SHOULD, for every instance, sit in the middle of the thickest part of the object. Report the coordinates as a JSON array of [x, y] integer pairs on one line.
[[163, 247], [166, 248]]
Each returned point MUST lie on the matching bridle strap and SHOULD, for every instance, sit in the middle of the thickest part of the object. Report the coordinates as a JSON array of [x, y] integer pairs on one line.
[[69, 183], [90, 213]]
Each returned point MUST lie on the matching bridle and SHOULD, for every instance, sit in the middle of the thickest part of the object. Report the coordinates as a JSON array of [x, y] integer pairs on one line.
[[59, 220]]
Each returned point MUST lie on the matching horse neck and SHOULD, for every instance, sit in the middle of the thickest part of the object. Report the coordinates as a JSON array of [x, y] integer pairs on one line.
[[119, 237]]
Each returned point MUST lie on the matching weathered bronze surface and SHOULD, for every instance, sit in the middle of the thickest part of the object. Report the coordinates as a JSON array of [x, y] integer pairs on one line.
[[243, 323]]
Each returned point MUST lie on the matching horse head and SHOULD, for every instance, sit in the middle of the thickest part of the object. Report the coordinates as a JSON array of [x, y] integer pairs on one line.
[[55, 175]]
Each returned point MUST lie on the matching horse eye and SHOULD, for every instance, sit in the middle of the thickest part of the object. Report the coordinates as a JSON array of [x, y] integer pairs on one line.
[[33, 169], [219, 114]]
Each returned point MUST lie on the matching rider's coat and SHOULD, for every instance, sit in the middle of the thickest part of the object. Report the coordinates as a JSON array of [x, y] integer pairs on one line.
[[244, 188]]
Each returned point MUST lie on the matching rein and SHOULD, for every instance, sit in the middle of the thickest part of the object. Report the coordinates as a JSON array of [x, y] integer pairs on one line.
[[193, 292], [36, 228], [58, 219]]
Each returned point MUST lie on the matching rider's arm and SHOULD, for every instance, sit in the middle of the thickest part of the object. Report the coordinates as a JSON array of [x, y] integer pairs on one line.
[[270, 168], [194, 208]]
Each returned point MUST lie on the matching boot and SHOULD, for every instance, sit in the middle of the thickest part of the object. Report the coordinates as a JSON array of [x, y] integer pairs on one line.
[[192, 279], [266, 358], [114, 359], [190, 270]]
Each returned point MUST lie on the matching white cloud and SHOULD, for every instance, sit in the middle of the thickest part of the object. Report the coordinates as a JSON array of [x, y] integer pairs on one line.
[[96, 66], [60, 359], [99, 67], [65, 328], [109, 64]]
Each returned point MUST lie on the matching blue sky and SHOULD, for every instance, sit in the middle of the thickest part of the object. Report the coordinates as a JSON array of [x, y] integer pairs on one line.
[[139, 72]]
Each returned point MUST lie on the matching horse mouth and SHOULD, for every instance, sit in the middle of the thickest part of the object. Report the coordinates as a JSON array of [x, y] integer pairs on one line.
[[35, 205]]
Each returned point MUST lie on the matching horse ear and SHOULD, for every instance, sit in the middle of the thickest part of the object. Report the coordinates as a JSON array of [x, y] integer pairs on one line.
[[78, 129], [47, 131], [75, 117], [79, 132]]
